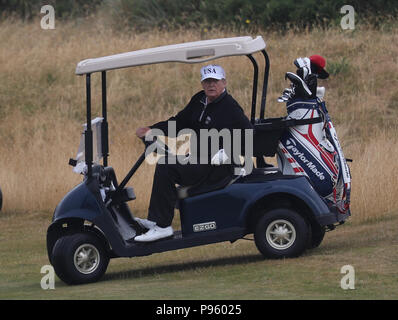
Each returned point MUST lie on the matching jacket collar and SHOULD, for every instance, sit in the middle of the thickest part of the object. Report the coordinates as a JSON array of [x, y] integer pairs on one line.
[[203, 100]]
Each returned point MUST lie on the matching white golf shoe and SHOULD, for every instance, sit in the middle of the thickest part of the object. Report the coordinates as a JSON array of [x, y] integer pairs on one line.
[[145, 223], [155, 233]]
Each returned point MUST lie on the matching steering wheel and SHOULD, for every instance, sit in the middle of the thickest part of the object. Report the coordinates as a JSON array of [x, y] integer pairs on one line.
[[156, 144]]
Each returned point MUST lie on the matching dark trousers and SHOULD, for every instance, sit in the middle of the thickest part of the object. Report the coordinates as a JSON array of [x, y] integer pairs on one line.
[[164, 193]]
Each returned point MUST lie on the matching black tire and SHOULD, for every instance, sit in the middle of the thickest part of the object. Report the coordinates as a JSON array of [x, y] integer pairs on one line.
[[79, 258], [281, 233], [318, 233], [1, 199]]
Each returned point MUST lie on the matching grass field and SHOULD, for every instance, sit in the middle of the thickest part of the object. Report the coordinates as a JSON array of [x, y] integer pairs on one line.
[[218, 271], [42, 110]]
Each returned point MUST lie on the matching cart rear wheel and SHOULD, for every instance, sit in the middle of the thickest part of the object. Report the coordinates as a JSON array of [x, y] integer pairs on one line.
[[281, 233], [318, 233], [79, 258]]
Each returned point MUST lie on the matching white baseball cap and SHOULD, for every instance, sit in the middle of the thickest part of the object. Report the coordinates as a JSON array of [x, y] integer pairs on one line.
[[213, 71]]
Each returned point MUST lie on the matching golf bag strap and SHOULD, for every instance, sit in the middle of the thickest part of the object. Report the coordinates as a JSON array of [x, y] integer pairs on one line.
[[300, 122]]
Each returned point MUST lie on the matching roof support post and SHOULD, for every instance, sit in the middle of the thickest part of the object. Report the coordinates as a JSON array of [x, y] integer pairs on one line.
[[88, 133], [104, 126], [255, 82], [265, 84]]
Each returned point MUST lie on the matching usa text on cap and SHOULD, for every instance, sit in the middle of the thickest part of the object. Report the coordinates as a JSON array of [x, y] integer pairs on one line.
[[212, 71]]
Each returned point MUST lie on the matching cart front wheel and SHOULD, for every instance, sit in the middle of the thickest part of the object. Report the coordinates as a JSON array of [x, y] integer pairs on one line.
[[80, 258]]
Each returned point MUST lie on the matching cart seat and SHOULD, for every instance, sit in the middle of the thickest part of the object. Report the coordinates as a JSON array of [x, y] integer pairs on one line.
[[203, 187]]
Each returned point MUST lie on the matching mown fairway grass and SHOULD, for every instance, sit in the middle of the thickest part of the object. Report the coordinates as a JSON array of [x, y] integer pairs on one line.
[[219, 271]]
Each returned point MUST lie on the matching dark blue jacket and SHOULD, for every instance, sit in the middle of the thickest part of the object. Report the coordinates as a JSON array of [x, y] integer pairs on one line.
[[222, 113]]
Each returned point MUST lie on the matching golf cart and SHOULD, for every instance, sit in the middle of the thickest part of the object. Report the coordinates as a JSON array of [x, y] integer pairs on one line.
[[93, 222]]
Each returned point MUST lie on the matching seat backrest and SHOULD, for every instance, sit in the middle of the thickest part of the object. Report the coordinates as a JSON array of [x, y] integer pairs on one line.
[[266, 136]]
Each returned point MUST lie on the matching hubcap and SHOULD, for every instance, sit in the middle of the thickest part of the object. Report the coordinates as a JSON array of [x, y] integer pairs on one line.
[[280, 234], [86, 258]]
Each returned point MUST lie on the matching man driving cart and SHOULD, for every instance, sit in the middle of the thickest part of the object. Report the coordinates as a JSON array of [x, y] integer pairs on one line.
[[211, 108]]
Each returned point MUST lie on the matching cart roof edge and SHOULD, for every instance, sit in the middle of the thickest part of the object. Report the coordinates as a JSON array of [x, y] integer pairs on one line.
[[189, 52]]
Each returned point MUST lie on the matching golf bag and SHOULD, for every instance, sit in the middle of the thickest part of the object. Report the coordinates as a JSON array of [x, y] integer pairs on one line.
[[313, 150]]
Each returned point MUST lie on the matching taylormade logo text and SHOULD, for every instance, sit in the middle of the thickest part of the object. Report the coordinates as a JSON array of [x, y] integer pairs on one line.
[[300, 155]]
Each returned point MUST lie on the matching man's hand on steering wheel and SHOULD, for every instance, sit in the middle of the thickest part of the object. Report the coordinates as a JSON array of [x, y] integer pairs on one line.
[[141, 132]]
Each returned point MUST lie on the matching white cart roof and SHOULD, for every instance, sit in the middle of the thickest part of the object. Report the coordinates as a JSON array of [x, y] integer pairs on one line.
[[189, 52]]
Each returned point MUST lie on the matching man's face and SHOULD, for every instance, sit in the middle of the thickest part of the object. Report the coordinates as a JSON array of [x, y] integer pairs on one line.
[[213, 88]]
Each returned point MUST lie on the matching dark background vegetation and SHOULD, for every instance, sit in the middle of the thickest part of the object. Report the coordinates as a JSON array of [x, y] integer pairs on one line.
[[170, 14]]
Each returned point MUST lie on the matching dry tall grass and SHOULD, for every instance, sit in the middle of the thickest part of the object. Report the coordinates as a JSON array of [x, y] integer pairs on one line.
[[42, 104]]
